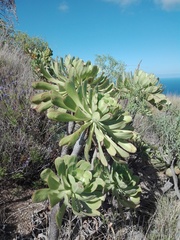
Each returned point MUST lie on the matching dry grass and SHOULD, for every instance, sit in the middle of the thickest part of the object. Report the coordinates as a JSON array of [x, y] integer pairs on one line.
[[29, 141], [175, 100], [160, 132], [164, 221]]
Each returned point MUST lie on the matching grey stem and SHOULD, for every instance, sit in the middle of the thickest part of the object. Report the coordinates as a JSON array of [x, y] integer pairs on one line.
[[70, 127], [93, 158], [79, 144], [53, 228], [175, 180]]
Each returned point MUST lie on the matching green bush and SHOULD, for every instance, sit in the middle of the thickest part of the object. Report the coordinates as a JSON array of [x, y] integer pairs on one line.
[[140, 91]]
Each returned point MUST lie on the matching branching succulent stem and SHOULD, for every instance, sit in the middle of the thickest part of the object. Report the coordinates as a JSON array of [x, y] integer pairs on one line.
[[93, 158], [79, 144], [175, 180]]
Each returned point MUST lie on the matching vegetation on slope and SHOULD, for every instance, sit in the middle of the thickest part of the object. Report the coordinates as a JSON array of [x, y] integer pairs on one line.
[[29, 141]]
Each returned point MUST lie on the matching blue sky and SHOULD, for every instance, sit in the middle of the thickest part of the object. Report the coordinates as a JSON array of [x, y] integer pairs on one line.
[[128, 30]]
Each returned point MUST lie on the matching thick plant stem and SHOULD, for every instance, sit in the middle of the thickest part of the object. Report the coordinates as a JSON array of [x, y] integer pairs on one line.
[[79, 144], [53, 228], [175, 180]]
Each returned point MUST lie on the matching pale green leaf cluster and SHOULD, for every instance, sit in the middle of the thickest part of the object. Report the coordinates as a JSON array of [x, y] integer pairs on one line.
[[120, 181], [83, 189], [90, 102], [143, 89], [74, 185]]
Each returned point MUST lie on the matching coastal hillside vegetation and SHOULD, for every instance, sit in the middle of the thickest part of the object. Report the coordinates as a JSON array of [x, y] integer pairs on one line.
[[86, 151]]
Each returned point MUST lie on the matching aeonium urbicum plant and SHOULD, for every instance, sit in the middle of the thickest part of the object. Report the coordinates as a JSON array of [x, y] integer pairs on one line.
[[79, 187], [75, 94], [120, 181], [142, 90], [99, 114], [74, 186]]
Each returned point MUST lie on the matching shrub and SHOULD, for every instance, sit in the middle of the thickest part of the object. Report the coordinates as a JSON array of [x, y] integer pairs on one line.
[[167, 128], [26, 143], [110, 66], [163, 224], [140, 91]]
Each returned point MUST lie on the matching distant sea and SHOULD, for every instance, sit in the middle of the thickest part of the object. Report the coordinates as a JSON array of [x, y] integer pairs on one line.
[[171, 85]]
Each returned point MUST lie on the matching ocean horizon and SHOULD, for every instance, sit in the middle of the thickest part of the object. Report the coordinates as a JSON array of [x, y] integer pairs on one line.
[[171, 85]]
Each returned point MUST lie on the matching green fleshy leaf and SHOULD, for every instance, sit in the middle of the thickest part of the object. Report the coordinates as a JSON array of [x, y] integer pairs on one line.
[[86, 177], [120, 151], [43, 106], [121, 183], [72, 138], [135, 200], [101, 155], [61, 116], [77, 173], [127, 118], [81, 115], [45, 174], [40, 195], [60, 166], [129, 147], [77, 187], [53, 181], [116, 126], [54, 198], [84, 165], [105, 118], [82, 93], [76, 207], [99, 134], [110, 149], [71, 91], [59, 215], [70, 160], [41, 97], [70, 104], [57, 100], [89, 142], [44, 86], [94, 205], [48, 76], [123, 134]]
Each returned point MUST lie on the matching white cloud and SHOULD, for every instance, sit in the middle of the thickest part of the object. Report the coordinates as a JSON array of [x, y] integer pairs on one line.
[[63, 7], [169, 4], [122, 2], [164, 4]]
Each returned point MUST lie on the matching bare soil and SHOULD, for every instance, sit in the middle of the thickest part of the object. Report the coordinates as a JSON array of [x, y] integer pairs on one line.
[[20, 218]]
